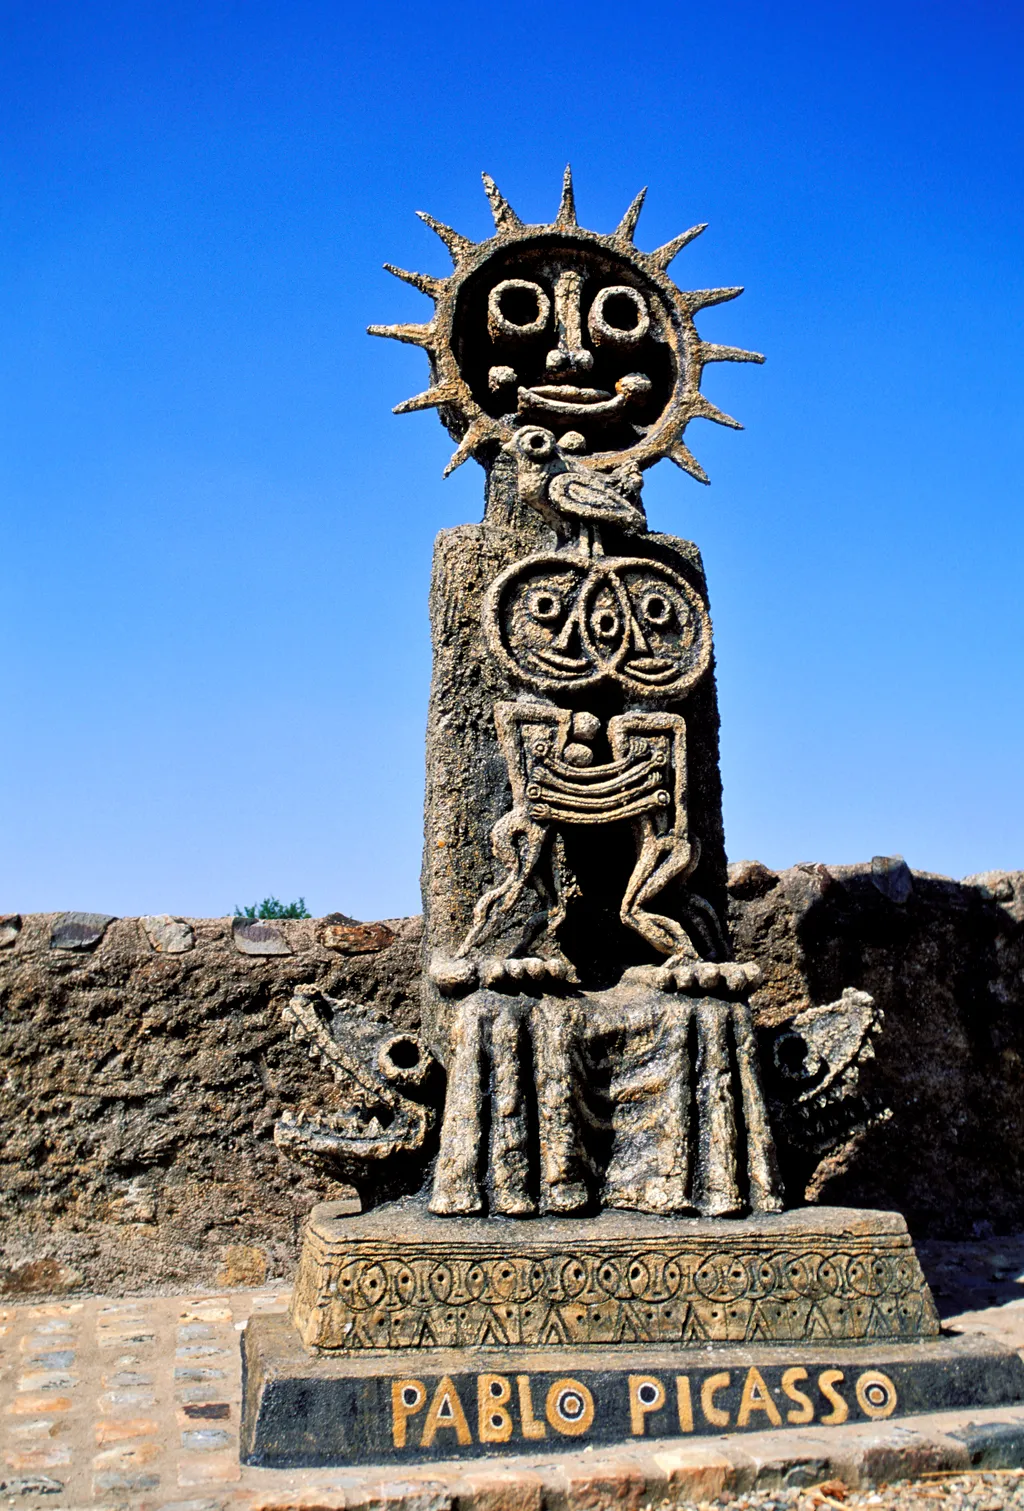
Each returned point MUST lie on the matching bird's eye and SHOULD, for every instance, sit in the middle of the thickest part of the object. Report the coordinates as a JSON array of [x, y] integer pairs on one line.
[[517, 308], [534, 442], [618, 317]]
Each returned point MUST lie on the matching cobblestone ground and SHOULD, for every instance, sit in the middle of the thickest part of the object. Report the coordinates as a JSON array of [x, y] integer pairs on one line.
[[994, 1491], [134, 1403]]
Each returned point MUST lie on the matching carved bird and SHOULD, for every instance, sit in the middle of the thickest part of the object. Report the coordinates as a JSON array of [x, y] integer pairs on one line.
[[562, 490]]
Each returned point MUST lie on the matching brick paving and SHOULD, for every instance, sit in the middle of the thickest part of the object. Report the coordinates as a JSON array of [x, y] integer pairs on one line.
[[134, 1403]]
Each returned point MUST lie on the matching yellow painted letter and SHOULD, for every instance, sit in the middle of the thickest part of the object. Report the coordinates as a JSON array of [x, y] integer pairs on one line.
[[494, 1424], [446, 1411], [646, 1393], [757, 1397], [684, 1403], [407, 1397], [827, 1381], [569, 1407], [531, 1427], [710, 1388], [806, 1405]]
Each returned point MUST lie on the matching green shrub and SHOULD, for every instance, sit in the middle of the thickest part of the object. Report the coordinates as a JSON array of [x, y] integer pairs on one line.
[[271, 907]]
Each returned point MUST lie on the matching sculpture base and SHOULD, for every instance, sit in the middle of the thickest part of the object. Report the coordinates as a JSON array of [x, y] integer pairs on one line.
[[429, 1404], [398, 1278]]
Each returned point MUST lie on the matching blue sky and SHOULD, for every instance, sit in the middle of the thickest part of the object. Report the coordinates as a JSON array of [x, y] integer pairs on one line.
[[216, 537]]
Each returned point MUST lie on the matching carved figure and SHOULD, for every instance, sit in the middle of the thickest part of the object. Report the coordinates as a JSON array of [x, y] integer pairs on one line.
[[598, 1043]]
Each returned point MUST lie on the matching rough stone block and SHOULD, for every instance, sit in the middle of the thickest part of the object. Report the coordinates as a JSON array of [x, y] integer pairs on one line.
[[167, 935], [257, 938], [79, 931]]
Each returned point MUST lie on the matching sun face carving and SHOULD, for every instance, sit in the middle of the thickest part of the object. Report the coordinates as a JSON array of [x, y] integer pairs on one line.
[[558, 326]]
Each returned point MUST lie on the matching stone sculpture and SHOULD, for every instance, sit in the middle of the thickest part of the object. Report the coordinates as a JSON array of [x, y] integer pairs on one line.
[[569, 362], [603, 1108]]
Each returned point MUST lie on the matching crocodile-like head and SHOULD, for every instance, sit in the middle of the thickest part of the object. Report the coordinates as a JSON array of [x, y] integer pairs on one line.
[[387, 1084]]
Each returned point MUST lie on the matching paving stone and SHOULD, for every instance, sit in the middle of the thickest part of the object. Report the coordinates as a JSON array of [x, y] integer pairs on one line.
[[35, 1484], [696, 1474], [119, 1429], [219, 1468], [502, 1492], [610, 1485], [993, 1445]]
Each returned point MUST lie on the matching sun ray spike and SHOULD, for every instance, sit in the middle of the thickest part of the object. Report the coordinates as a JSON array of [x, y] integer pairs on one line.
[[710, 351], [477, 432], [444, 393], [699, 299], [415, 335], [626, 228], [708, 411], [505, 218], [662, 256], [459, 246], [567, 209], [422, 281], [684, 457]]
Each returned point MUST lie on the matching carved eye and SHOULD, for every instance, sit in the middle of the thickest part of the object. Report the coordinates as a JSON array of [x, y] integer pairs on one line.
[[517, 308], [544, 605], [657, 610], [619, 317], [534, 442], [605, 623]]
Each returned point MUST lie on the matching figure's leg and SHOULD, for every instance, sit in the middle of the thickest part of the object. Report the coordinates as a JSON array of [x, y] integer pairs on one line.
[[719, 1194], [456, 1178], [762, 1165], [557, 1073], [509, 1154], [660, 858], [517, 843]]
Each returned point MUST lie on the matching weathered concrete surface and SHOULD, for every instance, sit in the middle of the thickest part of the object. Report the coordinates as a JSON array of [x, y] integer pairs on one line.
[[138, 1089], [138, 1094], [946, 966]]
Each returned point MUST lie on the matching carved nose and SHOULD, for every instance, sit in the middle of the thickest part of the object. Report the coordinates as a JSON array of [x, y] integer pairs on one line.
[[569, 359]]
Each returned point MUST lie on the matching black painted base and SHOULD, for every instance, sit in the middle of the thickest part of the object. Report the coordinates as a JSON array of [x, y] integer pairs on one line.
[[426, 1404]]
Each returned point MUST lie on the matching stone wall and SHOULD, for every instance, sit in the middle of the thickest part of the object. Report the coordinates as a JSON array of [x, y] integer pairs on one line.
[[139, 1088], [143, 1063]]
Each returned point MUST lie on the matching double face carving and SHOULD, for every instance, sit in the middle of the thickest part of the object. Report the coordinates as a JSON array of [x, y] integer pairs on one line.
[[560, 623]]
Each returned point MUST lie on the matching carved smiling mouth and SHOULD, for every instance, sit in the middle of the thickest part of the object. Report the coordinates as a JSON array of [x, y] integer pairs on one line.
[[566, 398], [573, 399], [651, 669]]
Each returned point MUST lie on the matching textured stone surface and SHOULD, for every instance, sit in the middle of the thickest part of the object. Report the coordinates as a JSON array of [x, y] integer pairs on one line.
[[134, 1078], [139, 1093], [940, 1137], [402, 1279]]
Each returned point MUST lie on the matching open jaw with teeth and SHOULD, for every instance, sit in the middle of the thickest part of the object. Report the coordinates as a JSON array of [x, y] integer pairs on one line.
[[348, 1139], [373, 1067], [573, 399]]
